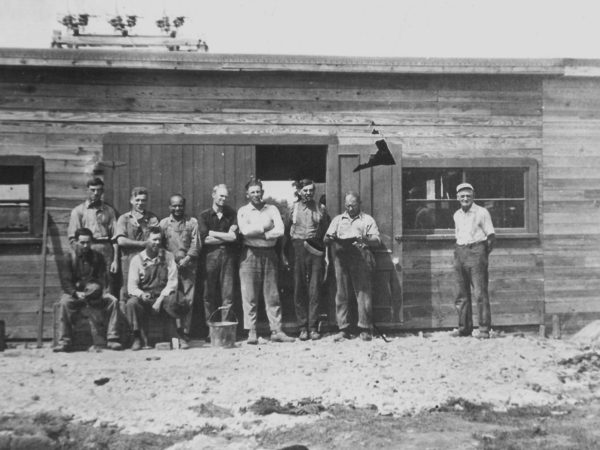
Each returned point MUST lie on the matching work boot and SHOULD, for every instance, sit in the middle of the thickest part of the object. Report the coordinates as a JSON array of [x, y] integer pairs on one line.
[[137, 344], [280, 336], [62, 347], [95, 349], [252, 338], [342, 335], [315, 336], [303, 335], [366, 335], [184, 344], [114, 345]]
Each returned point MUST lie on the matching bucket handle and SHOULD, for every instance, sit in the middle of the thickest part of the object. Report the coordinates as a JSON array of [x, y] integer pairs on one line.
[[222, 308]]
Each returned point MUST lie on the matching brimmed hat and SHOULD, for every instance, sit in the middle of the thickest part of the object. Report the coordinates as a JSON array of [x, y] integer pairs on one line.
[[92, 291], [463, 186], [314, 247]]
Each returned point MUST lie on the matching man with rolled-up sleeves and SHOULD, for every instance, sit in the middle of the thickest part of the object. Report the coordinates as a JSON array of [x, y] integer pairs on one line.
[[180, 237], [260, 225]]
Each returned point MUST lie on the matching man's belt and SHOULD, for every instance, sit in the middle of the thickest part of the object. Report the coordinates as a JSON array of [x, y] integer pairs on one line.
[[471, 245]]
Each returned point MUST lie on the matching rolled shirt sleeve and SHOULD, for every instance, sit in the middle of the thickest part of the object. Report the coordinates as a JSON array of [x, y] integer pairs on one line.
[[278, 228], [172, 279], [134, 276]]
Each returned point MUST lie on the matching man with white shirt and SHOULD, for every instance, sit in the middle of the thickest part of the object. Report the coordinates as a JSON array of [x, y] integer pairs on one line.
[[152, 286], [475, 239], [352, 234], [260, 225]]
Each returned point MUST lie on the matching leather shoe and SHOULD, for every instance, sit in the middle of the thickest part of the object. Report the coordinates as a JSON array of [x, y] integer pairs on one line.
[[366, 335], [280, 336], [61, 347], [114, 345], [303, 335], [137, 344], [342, 335], [315, 336], [252, 338], [184, 344]]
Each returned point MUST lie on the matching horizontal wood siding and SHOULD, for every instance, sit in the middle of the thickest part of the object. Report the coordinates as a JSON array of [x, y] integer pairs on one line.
[[64, 114], [572, 200]]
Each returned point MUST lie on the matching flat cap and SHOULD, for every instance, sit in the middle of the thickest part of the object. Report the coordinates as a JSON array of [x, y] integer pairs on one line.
[[463, 186]]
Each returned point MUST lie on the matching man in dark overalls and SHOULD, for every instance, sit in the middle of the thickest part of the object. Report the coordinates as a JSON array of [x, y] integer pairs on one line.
[[85, 284], [152, 286]]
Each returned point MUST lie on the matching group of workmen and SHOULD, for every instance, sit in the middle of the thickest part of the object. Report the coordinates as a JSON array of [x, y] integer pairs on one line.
[[152, 266]]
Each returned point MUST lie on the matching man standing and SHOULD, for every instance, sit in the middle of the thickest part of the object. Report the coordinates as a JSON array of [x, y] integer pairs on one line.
[[84, 280], [218, 230], [180, 235], [132, 230], [152, 286], [352, 234], [101, 218], [307, 225], [475, 239], [260, 225]]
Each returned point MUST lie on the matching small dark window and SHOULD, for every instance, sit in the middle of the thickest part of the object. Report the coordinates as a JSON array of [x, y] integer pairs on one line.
[[21, 196], [508, 192]]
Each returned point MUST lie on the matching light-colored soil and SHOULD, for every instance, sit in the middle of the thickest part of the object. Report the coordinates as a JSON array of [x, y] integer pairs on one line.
[[208, 388]]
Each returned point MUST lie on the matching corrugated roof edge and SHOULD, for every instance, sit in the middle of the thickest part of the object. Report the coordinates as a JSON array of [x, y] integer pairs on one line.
[[192, 61]]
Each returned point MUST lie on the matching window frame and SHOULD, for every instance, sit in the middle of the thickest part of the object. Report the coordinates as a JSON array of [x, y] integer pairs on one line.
[[531, 229], [37, 198]]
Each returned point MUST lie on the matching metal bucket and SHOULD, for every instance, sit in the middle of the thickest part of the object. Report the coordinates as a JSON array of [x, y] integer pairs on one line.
[[222, 333]]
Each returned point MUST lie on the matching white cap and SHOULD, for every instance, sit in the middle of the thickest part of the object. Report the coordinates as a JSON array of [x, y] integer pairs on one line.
[[462, 186]]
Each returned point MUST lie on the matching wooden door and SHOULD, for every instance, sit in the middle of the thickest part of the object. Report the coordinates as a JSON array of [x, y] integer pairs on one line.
[[380, 191], [165, 169]]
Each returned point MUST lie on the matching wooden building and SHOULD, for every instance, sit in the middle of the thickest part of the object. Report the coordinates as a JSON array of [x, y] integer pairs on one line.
[[526, 133]]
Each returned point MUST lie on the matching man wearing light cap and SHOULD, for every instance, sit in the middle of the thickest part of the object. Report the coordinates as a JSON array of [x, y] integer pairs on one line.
[[475, 239]]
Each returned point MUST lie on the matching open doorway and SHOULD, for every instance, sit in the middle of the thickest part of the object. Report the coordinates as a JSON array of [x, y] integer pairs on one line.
[[278, 166]]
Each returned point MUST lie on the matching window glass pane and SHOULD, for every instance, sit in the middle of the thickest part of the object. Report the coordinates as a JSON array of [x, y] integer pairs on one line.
[[429, 215], [15, 218], [497, 183], [506, 214], [14, 192], [430, 184]]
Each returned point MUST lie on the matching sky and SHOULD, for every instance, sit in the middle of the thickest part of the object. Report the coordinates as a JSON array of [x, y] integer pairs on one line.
[[397, 28]]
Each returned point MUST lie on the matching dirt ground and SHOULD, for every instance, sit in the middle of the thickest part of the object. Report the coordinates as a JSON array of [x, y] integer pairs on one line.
[[432, 391]]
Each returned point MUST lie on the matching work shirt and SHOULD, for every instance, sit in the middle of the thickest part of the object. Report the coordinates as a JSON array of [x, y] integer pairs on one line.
[[472, 226], [141, 264], [82, 268], [304, 220], [252, 220], [363, 225], [99, 217], [181, 235], [209, 220], [136, 227]]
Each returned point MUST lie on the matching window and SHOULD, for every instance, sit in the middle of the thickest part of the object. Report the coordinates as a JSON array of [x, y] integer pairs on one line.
[[507, 188], [21, 196]]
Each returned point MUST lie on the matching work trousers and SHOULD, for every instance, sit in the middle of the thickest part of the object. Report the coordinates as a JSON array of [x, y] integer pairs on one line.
[[352, 274], [125, 261], [471, 271], [258, 271], [105, 248], [185, 289], [102, 318], [138, 311], [219, 266], [308, 278]]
